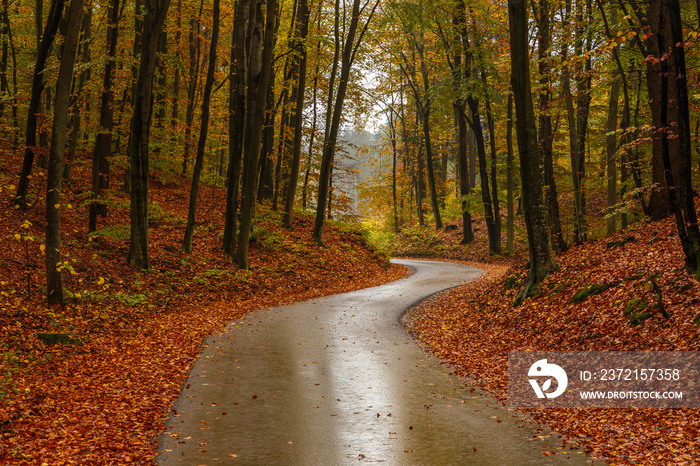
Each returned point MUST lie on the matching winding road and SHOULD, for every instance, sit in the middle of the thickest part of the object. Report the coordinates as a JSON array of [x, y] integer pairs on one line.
[[338, 380]]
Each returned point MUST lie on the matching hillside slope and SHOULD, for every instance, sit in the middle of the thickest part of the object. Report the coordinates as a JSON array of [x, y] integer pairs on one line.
[[474, 326], [91, 383]]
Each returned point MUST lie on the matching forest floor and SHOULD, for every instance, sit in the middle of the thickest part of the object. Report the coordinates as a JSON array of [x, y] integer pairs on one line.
[[474, 327], [92, 382]]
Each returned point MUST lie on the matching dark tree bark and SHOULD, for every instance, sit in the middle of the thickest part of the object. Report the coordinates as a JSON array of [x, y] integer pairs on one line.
[[201, 144], [266, 168], [546, 136], [510, 222], [156, 11], [475, 123], [495, 236], [674, 83], [298, 117], [75, 118], [429, 156], [582, 46], [237, 121], [459, 74], [8, 51], [175, 114], [257, 92], [103, 140], [37, 88], [54, 178], [539, 241], [193, 76]]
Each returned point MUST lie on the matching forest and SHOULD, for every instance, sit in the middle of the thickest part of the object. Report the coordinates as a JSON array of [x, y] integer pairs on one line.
[[170, 165]]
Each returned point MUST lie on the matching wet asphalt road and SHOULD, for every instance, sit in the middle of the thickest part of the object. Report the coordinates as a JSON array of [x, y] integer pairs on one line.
[[338, 380]]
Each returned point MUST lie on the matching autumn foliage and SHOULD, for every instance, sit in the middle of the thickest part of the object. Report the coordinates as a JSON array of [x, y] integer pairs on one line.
[[603, 297], [92, 382]]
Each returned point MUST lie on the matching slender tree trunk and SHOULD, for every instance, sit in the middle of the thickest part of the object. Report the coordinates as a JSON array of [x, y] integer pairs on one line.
[[583, 103], [103, 140], [494, 239], [137, 46], [394, 161], [8, 51], [54, 179], [611, 159], [266, 172], [496, 235], [175, 115], [332, 133], [298, 116], [510, 222], [201, 145], [156, 11], [312, 136], [258, 84], [425, 120], [195, 43], [75, 119], [237, 121], [37, 89], [539, 241], [546, 136]]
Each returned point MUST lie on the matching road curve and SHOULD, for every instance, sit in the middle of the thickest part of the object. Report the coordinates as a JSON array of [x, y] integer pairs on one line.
[[337, 380]]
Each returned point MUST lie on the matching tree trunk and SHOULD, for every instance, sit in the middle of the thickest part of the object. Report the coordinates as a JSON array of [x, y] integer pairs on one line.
[[611, 159], [43, 49], [545, 124], [510, 222], [193, 76], [76, 120], [394, 159], [680, 192], [583, 103], [539, 241], [175, 115], [332, 129], [494, 239], [54, 178], [103, 140], [156, 11], [237, 121], [425, 120], [298, 117], [261, 69], [496, 235], [201, 144]]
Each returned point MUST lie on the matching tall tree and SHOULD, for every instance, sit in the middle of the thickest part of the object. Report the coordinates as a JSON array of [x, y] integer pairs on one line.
[[297, 117], [54, 177], [156, 11], [348, 57], [539, 241], [201, 144], [43, 49], [237, 121], [546, 137], [103, 140], [260, 71]]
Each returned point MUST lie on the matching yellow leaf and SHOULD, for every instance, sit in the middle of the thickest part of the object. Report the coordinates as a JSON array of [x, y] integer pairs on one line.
[[57, 206], [18, 236]]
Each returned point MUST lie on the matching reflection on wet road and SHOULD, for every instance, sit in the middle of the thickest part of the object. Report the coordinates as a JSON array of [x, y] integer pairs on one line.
[[338, 380]]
